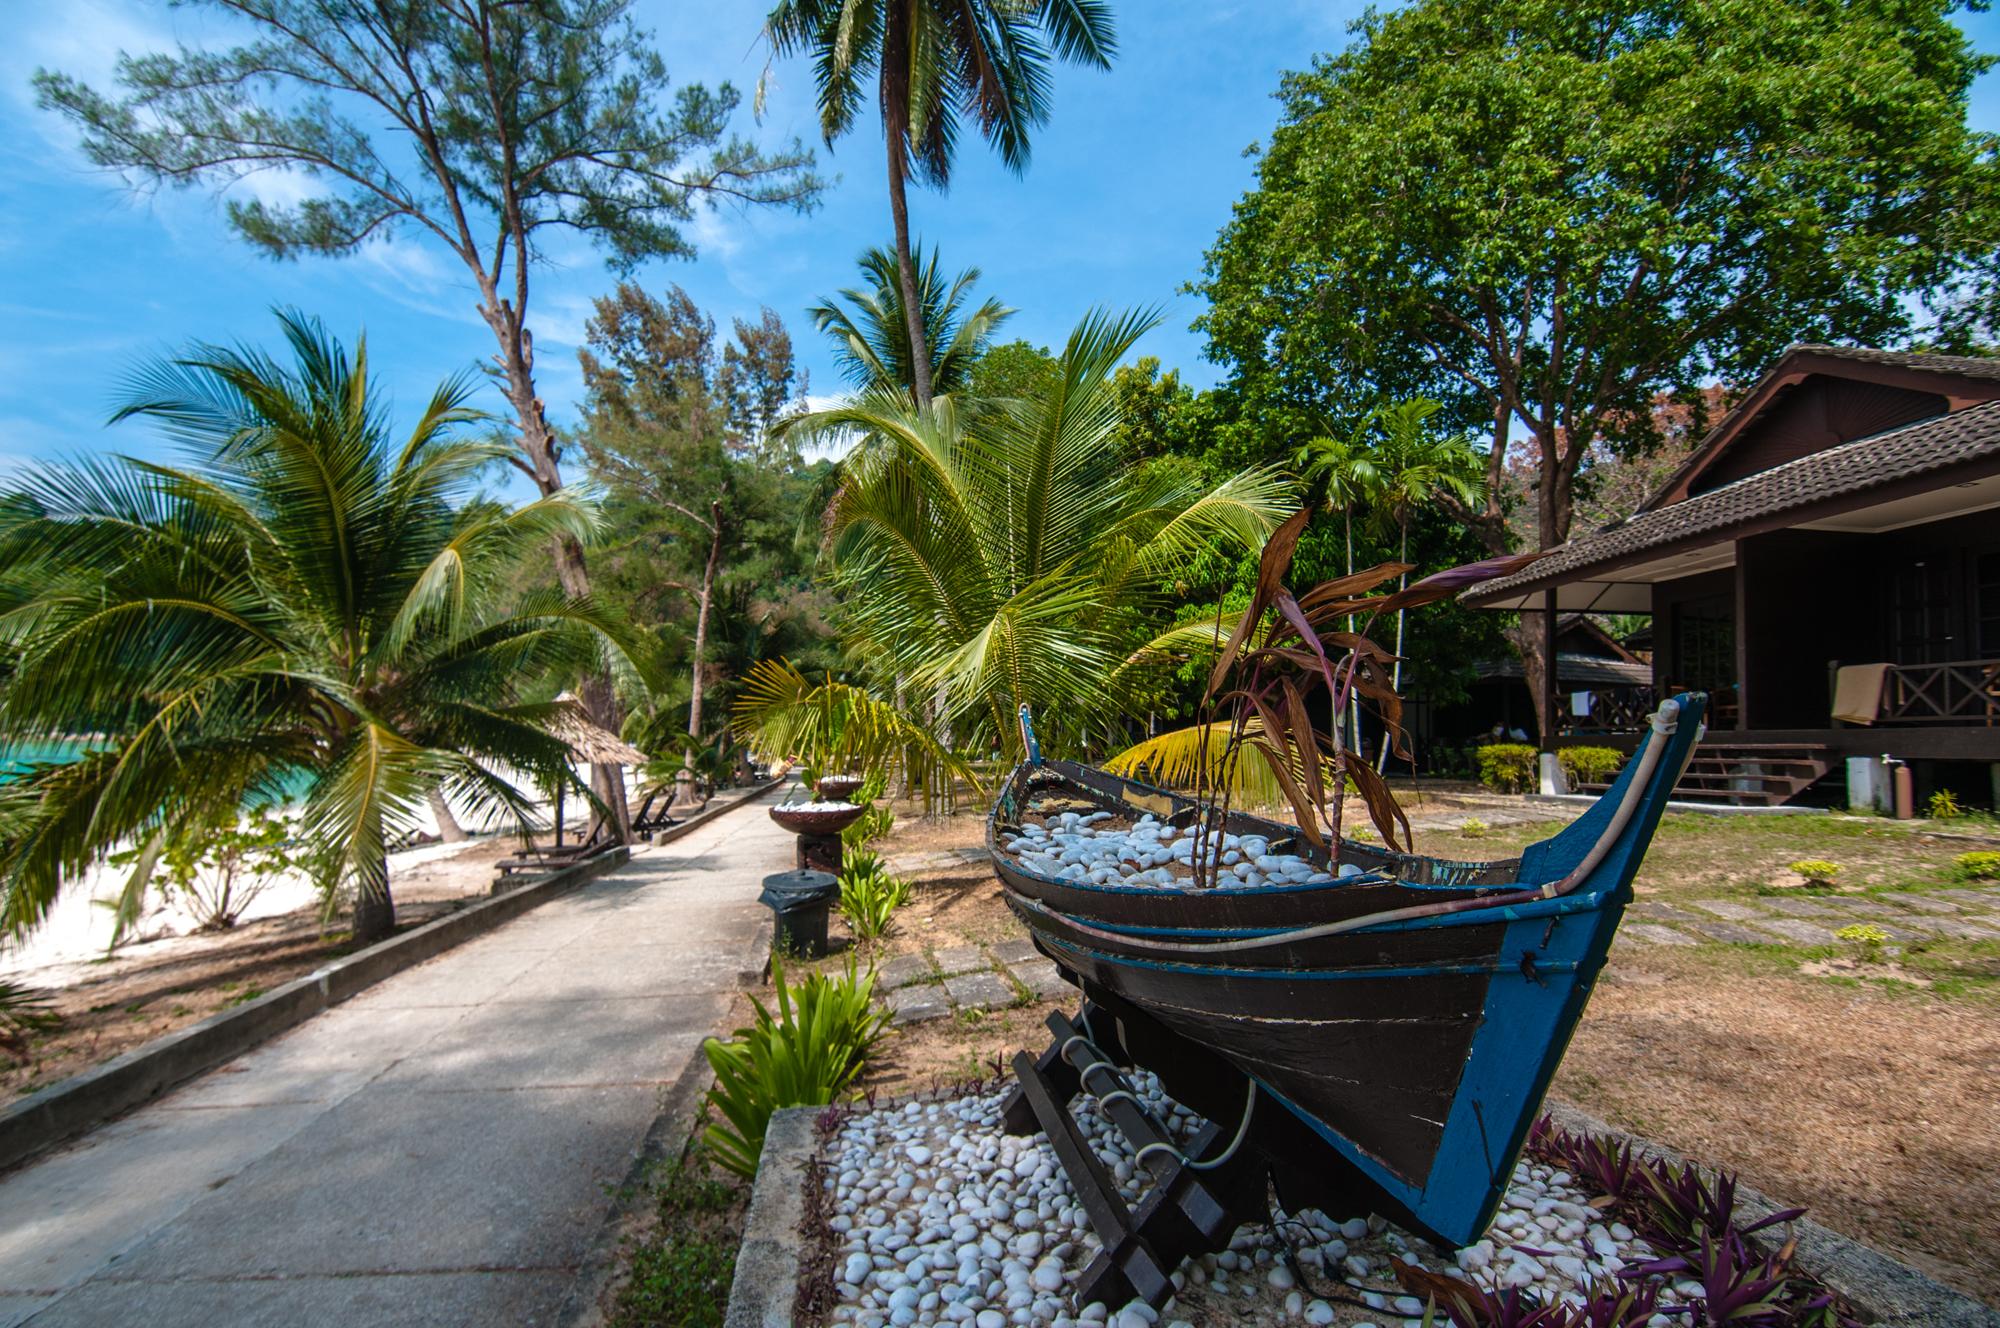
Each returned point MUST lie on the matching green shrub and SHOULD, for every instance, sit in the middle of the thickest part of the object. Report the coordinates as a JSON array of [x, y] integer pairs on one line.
[[1506, 767], [869, 898], [805, 1055], [1815, 871], [1866, 939], [1590, 765], [1944, 806], [1473, 828], [1978, 865]]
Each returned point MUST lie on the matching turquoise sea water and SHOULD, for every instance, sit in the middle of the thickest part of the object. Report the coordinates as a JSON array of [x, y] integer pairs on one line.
[[66, 750]]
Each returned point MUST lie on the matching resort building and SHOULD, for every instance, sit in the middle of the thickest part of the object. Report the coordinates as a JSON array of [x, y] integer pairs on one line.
[[1826, 565]]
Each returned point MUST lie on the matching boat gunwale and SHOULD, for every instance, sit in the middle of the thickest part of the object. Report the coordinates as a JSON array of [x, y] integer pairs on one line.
[[1006, 863]]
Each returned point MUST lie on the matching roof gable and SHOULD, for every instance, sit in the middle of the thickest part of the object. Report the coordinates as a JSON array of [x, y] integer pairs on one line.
[[1817, 397]]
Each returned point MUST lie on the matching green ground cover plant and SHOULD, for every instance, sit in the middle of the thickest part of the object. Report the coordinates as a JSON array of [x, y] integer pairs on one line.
[[1978, 865], [807, 1053], [869, 897], [679, 1276]]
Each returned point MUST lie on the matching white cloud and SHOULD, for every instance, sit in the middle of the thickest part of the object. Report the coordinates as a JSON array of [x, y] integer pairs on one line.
[[831, 447]]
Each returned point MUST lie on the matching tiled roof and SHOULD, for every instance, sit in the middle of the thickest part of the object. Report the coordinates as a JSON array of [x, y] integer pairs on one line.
[[1968, 366], [1576, 671], [1849, 469]]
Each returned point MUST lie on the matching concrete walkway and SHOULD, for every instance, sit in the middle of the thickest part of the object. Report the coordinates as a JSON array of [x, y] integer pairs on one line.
[[439, 1150]]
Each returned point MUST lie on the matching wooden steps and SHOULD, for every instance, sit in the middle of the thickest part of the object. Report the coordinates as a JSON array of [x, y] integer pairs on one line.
[[1748, 774]]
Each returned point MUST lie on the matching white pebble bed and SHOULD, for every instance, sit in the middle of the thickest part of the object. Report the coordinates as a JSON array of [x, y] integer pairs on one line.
[[817, 806], [1095, 847], [939, 1217]]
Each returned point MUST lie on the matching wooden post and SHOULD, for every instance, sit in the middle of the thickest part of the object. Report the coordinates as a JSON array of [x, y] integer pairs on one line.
[[560, 786], [1549, 725]]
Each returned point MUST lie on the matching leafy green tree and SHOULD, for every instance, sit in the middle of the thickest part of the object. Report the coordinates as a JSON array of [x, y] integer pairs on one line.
[[1013, 370], [700, 490], [990, 557], [1544, 214], [870, 331], [482, 124], [1587, 205], [1415, 467], [302, 597], [934, 61]]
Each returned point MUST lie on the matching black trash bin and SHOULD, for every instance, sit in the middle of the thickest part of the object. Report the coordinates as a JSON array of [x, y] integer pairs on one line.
[[799, 900]]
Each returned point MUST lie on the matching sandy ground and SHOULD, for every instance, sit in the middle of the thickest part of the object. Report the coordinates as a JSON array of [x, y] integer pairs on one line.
[[1871, 1107], [110, 1004]]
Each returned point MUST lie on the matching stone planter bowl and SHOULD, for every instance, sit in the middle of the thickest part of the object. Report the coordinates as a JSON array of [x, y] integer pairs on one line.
[[838, 788], [828, 822]]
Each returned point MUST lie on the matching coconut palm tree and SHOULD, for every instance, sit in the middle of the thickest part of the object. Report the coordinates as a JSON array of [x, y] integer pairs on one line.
[[303, 601], [1345, 469], [933, 60], [990, 556], [871, 336], [1414, 466]]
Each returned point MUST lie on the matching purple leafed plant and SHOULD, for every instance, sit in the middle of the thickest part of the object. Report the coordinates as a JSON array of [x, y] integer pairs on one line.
[[1695, 1224]]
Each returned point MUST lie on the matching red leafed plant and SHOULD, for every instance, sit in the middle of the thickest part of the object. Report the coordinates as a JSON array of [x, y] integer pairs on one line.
[[1285, 648]]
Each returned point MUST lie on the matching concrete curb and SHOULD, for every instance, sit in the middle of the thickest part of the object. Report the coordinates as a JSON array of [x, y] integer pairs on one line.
[[767, 1262], [1887, 1291], [717, 806]]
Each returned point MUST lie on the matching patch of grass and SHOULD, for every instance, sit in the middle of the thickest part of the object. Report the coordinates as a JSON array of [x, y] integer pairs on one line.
[[680, 1275], [245, 996]]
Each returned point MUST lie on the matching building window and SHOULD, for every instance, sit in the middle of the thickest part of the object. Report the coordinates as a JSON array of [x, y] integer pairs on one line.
[[1986, 602], [1705, 644], [1924, 612]]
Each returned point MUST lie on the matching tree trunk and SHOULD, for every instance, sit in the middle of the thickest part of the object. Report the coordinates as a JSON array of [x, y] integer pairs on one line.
[[906, 272], [374, 909], [448, 827], [1396, 669], [684, 782], [538, 442]]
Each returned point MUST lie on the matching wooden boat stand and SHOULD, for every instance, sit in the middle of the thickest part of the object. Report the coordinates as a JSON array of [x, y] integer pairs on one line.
[[1194, 1206]]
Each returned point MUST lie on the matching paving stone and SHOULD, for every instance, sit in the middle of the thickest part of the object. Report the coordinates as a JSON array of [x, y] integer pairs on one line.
[[1014, 951], [1729, 908], [1040, 976], [1651, 933], [909, 1005], [1985, 897], [1922, 903], [1731, 934], [906, 969], [1805, 933], [961, 959], [1967, 929], [1801, 907], [1654, 911], [979, 991]]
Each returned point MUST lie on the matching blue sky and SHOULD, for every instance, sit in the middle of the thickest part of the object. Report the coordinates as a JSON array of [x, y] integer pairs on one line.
[[1129, 184]]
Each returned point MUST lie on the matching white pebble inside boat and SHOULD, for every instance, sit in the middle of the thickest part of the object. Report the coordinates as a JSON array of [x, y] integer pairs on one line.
[[1096, 848]]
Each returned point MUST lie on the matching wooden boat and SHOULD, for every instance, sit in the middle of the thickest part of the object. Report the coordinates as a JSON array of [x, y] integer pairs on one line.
[[1408, 1020]]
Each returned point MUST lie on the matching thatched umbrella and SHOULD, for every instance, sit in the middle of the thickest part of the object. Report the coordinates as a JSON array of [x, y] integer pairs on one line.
[[591, 743]]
